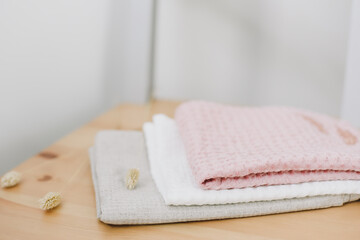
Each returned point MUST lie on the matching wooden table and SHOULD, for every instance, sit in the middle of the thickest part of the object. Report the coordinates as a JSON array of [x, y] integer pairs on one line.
[[64, 166]]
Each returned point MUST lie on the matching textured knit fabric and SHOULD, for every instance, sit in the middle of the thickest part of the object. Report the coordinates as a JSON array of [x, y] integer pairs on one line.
[[237, 147], [117, 151], [172, 174]]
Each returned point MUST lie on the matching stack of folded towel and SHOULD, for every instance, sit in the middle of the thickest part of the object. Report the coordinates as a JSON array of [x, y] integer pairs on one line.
[[215, 161]]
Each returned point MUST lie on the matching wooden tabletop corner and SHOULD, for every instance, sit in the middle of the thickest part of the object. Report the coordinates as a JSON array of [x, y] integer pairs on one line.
[[64, 167]]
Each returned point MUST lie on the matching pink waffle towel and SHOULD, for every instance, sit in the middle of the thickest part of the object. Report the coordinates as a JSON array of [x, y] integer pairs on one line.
[[237, 147]]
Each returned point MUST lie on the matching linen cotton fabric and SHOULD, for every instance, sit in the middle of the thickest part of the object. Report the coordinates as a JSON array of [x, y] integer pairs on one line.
[[236, 147], [117, 151], [173, 176]]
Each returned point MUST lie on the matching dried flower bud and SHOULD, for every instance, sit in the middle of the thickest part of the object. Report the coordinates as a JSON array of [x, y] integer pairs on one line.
[[10, 179], [132, 178], [50, 201]]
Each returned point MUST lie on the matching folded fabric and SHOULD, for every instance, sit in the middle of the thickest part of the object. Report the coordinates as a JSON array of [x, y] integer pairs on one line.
[[236, 147], [117, 151], [172, 174]]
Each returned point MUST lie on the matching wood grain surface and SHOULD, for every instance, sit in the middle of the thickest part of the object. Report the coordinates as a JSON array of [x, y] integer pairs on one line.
[[64, 167]]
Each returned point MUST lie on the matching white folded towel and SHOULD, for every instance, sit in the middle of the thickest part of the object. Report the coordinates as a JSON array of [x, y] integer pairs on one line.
[[174, 179]]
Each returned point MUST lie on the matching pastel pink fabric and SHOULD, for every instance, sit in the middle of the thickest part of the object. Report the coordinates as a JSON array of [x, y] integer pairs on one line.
[[237, 147]]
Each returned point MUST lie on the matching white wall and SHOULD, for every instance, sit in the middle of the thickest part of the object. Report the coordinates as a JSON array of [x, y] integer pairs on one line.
[[128, 51], [253, 52], [62, 62], [54, 67], [351, 97]]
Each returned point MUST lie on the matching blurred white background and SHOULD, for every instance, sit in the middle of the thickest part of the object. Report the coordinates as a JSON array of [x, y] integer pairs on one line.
[[64, 62]]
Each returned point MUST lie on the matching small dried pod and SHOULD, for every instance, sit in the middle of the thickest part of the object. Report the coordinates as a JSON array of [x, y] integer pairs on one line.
[[50, 200], [10, 179], [132, 177]]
